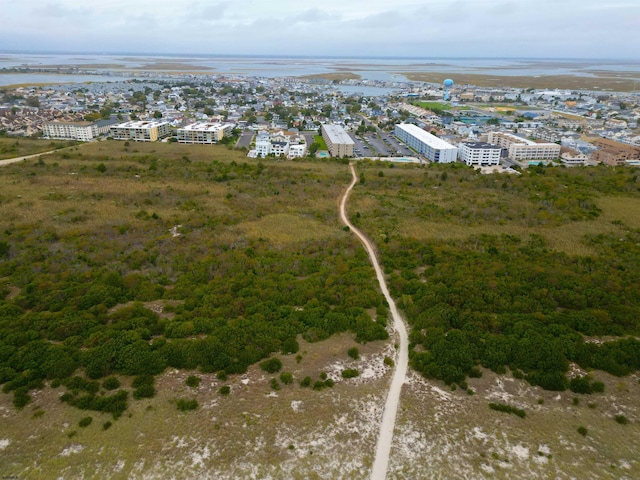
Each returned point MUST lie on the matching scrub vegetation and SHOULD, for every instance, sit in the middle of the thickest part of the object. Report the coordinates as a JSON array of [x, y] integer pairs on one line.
[[154, 260], [505, 298]]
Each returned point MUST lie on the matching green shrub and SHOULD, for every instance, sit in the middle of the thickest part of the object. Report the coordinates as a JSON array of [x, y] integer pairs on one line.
[[106, 425], [305, 382], [388, 361], [144, 391], [142, 380], [222, 376], [353, 353], [185, 405], [286, 378], [21, 398], [501, 407], [111, 383], [272, 365], [274, 384], [193, 381], [582, 431], [329, 383], [350, 373], [224, 390], [621, 419], [323, 375], [85, 422], [318, 385]]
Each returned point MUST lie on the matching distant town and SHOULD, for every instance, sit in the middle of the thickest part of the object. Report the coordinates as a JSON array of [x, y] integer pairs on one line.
[[497, 129]]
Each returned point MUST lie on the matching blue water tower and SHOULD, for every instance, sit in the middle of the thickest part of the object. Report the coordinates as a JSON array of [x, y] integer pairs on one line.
[[448, 83]]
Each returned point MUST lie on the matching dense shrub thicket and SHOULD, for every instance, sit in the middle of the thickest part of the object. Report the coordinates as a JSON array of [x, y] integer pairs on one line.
[[508, 301], [233, 302], [501, 301]]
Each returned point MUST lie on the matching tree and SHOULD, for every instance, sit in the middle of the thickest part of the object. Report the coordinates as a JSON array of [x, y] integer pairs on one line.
[[313, 148], [157, 114]]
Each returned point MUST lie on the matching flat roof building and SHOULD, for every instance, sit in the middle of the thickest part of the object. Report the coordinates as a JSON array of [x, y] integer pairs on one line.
[[435, 149], [141, 131], [522, 149], [614, 153], [204, 132], [82, 131], [339, 143], [479, 154]]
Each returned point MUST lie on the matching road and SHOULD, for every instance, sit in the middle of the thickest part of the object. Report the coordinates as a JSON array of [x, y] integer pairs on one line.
[[385, 437]]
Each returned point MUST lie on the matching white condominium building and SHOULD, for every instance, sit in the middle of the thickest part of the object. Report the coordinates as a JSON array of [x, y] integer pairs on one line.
[[141, 131], [82, 131], [204, 132], [479, 154], [435, 149], [339, 143], [522, 149]]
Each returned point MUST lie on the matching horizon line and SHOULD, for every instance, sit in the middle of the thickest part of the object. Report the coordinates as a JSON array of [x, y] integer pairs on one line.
[[247, 55]]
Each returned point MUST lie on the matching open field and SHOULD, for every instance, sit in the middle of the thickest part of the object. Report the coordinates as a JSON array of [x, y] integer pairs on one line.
[[334, 76], [254, 432], [619, 84], [11, 147], [218, 245]]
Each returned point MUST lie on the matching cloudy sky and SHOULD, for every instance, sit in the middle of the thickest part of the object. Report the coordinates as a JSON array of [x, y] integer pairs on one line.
[[426, 28]]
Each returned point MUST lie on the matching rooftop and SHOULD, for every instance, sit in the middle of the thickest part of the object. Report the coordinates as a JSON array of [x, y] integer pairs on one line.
[[425, 137], [481, 145], [337, 134], [140, 124], [204, 127]]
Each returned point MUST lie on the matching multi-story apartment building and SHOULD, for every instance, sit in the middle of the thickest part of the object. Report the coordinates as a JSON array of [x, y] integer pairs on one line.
[[521, 149], [339, 143], [204, 132], [435, 149], [614, 153], [82, 131], [479, 154], [141, 131]]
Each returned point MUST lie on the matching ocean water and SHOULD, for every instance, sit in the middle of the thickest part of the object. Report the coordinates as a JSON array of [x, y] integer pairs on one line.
[[381, 69]]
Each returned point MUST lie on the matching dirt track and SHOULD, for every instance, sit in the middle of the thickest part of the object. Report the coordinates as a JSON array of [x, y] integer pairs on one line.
[[383, 447]]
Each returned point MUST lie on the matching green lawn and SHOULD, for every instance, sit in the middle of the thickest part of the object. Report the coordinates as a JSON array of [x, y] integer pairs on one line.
[[321, 142]]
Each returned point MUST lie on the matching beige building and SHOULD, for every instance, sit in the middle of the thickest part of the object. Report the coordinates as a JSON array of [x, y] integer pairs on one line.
[[614, 153], [141, 131], [204, 132], [82, 131], [339, 143], [520, 149]]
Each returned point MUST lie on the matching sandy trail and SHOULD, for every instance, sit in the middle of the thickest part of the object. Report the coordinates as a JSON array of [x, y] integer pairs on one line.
[[383, 447], [9, 161]]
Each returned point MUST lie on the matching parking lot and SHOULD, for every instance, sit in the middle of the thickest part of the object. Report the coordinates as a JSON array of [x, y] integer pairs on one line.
[[360, 149], [245, 140], [396, 146], [379, 147]]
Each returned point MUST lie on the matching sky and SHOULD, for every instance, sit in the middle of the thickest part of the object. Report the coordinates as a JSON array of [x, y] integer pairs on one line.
[[399, 28]]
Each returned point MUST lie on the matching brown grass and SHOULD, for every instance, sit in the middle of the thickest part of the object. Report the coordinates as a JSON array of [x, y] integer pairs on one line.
[[543, 81], [244, 435], [337, 76]]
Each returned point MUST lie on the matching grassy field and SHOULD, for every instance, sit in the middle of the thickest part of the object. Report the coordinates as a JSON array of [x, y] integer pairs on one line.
[[619, 84], [164, 210], [334, 76], [254, 432], [318, 139], [19, 146]]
